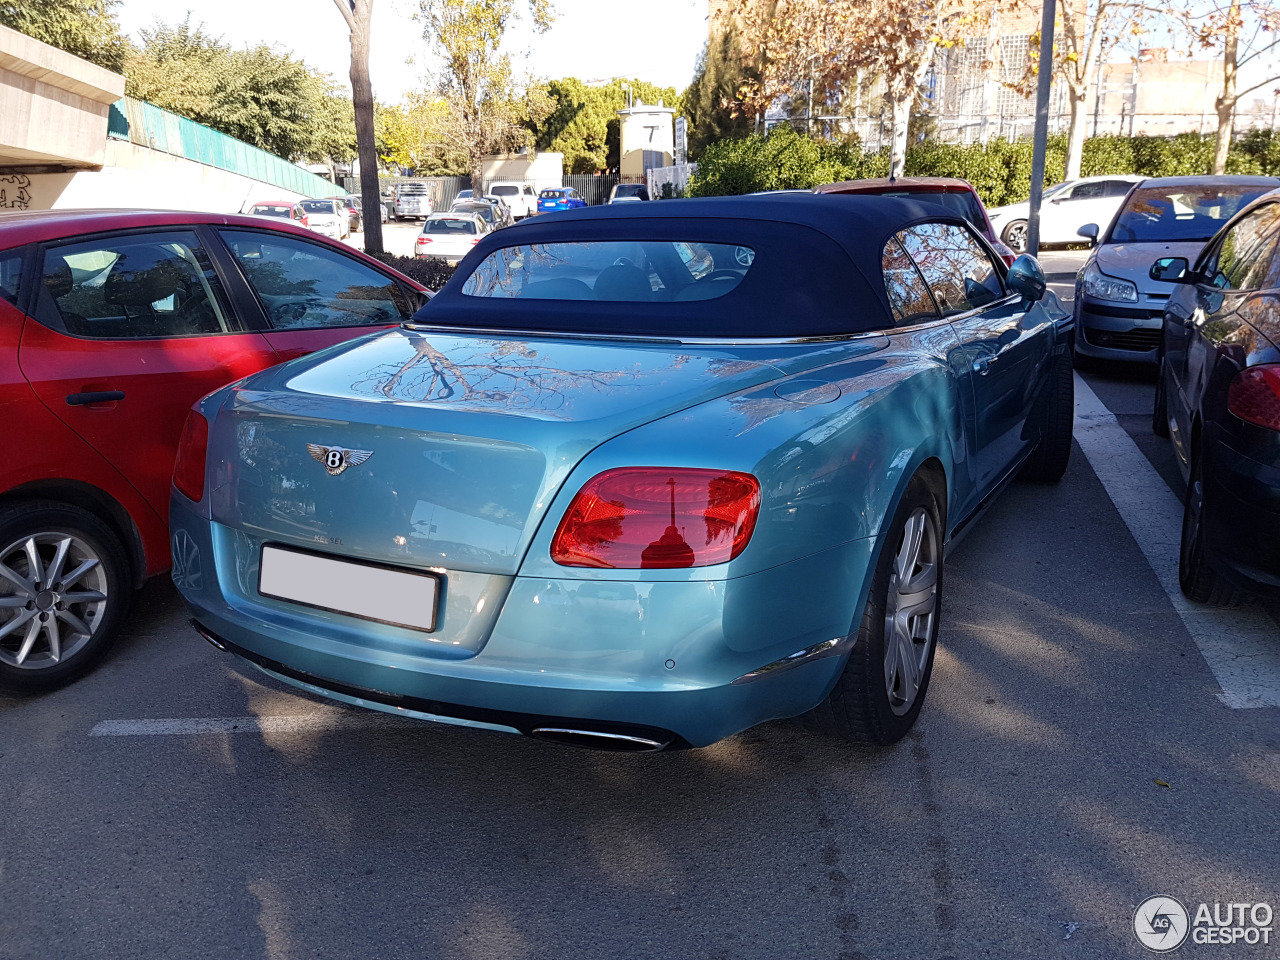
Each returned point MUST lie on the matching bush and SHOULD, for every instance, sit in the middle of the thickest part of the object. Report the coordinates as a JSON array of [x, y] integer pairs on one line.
[[432, 274], [999, 170]]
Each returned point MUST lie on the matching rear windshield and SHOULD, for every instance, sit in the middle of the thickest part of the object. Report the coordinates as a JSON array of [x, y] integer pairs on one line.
[[639, 270], [317, 206], [1155, 214], [408, 188], [551, 194], [962, 204], [272, 210], [441, 225], [627, 190], [505, 191]]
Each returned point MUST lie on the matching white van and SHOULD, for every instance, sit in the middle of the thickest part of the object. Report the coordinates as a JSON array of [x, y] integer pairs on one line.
[[520, 197], [413, 199]]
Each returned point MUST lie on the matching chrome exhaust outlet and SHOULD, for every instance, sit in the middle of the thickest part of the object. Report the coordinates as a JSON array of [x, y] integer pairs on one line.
[[597, 740], [211, 637]]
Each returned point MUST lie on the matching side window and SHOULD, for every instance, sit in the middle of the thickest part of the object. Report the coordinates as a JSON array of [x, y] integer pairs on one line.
[[1088, 191], [908, 296], [1244, 255], [304, 285], [10, 275], [1117, 188], [959, 272], [132, 287]]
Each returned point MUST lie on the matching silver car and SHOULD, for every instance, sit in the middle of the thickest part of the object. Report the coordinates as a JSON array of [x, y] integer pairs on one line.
[[1119, 307]]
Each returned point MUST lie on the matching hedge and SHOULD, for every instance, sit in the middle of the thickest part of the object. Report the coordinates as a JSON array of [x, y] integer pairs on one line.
[[999, 170], [432, 274]]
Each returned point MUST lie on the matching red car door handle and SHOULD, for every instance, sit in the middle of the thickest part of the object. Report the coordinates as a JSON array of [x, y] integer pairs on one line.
[[98, 396]]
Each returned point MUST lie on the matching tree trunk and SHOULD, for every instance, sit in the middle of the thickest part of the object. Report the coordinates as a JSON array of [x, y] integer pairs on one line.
[[1075, 133], [901, 117], [1226, 103], [362, 98]]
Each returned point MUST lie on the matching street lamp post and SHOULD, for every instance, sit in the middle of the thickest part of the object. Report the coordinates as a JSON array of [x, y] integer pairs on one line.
[[1041, 136]]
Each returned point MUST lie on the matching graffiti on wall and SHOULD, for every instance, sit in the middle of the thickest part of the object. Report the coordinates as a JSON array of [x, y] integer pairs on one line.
[[15, 192]]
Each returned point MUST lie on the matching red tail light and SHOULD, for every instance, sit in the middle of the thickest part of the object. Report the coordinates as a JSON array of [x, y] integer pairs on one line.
[[475, 241], [658, 518], [188, 471], [1254, 395]]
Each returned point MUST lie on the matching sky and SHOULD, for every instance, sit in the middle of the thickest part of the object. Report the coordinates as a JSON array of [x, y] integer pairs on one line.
[[658, 41]]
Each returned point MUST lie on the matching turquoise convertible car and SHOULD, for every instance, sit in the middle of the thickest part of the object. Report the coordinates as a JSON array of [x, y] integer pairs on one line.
[[638, 477]]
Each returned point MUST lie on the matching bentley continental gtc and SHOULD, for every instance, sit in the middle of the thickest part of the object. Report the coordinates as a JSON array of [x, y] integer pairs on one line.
[[639, 476]]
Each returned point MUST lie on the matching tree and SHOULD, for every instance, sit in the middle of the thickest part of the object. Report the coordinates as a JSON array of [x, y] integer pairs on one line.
[[486, 113], [1242, 35], [410, 135], [1087, 32], [257, 95], [85, 28], [359, 14], [708, 101], [583, 120]]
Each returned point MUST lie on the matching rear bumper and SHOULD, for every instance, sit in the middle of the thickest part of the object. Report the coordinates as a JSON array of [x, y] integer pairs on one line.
[[1110, 332], [618, 656], [1242, 525]]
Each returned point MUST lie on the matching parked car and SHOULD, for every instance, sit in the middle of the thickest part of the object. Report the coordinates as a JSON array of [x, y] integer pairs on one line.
[[559, 198], [519, 196], [487, 212], [359, 207], [626, 192], [353, 214], [1218, 399], [1119, 306], [1064, 209], [505, 217], [413, 199], [112, 323], [465, 194], [388, 196], [593, 495], [328, 217], [955, 194], [280, 210], [449, 236]]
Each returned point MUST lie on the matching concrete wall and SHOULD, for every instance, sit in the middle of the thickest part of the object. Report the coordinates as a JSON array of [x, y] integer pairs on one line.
[[543, 170], [53, 106], [138, 177]]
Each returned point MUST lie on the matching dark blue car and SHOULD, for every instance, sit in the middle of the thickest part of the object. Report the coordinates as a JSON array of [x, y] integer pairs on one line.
[[559, 198], [1218, 399]]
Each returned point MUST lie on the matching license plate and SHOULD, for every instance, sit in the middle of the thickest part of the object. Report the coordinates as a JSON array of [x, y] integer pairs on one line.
[[402, 598]]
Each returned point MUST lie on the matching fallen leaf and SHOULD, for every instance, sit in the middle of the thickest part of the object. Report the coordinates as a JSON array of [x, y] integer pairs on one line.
[[1161, 783]]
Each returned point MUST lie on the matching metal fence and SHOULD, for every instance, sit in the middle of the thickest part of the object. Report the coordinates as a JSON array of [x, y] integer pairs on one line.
[[444, 190]]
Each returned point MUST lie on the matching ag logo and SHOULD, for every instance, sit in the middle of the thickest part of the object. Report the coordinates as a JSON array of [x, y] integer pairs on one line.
[[1161, 924], [337, 459]]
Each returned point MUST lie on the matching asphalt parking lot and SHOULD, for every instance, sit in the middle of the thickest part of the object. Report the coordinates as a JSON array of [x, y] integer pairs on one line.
[[1089, 741]]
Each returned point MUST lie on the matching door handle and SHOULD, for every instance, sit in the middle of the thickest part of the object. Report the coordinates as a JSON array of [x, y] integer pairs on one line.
[[97, 396], [982, 365]]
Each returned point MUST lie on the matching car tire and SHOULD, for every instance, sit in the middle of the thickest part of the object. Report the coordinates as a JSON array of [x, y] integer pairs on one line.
[[873, 700], [1198, 580], [1015, 236], [1160, 407], [1052, 454], [77, 617]]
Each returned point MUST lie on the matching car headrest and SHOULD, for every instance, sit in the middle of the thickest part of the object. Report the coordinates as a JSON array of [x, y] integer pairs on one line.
[[57, 277], [560, 288], [141, 276], [622, 282]]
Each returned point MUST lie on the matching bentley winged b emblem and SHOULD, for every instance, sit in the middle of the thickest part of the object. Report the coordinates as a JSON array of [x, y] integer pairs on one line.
[[337, 459]]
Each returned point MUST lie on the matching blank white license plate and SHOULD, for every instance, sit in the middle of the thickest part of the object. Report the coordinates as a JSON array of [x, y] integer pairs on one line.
[[398, 597]]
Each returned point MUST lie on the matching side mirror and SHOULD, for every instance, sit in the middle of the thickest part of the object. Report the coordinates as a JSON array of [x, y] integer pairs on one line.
[[1171, 270], [1090, 232], [1027, 279]]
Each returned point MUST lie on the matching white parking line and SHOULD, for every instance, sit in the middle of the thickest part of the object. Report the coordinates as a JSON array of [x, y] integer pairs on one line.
[[1241, 645], [306, 723]]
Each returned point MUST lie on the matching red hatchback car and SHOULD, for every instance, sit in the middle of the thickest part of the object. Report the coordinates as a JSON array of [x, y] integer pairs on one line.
[[112, 324], [957, 195]]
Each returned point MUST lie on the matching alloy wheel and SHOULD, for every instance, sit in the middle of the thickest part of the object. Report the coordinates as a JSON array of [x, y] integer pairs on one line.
[[53, 599], [910, 610]]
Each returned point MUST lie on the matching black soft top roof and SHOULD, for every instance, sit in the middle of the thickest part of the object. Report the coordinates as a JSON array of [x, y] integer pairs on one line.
[[816, 272]]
